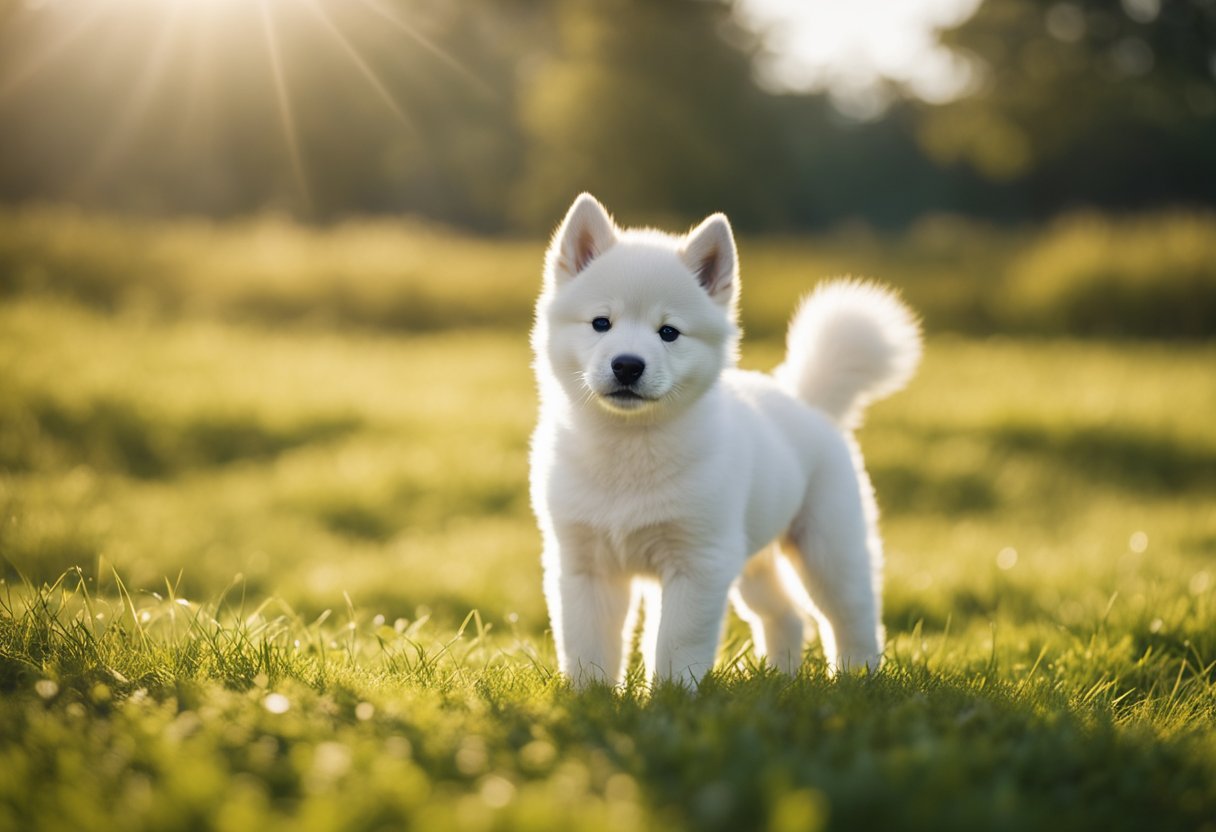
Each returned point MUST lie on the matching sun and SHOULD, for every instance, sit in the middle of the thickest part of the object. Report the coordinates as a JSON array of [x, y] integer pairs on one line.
[[222, 65], [195, 7]]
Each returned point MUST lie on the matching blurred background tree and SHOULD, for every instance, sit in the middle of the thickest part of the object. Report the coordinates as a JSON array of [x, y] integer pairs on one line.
[[642, 99], [491, 114], [1100, 103]]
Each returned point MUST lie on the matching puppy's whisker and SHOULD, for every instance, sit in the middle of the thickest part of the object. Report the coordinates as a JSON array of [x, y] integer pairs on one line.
[[586, 391]]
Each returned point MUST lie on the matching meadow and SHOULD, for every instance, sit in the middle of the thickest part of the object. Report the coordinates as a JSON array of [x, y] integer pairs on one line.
[[268, 560]]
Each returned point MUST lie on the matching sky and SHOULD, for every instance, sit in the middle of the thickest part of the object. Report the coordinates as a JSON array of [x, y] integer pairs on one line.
[[855, 50]]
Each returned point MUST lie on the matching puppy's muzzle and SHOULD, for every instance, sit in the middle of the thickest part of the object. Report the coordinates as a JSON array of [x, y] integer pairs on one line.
[[628, 368]]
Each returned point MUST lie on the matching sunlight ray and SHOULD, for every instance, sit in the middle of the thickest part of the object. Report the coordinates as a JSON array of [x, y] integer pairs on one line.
[[450, 60], [51, 51], [283, 99], [127, 120], [364, 68], [198, 116]]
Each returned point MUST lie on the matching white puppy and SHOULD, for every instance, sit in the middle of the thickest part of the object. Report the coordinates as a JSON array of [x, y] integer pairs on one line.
[[660, 470]]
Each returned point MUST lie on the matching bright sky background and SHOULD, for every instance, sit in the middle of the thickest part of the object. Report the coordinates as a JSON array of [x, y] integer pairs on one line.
[[853, 48]]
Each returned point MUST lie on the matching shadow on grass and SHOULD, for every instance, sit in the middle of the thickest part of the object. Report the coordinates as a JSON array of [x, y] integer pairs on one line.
[[1136, 462], [1133, 461], [114, 435], [43, 560], [905, 489], [411, 503], [906, 749], [935, 610]]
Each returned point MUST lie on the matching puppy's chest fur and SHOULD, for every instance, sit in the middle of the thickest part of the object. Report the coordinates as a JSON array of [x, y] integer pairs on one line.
[[637, 505]]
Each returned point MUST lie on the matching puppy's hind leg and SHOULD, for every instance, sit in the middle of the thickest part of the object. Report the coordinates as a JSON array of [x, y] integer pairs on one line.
[[837, 553], [762, 599]]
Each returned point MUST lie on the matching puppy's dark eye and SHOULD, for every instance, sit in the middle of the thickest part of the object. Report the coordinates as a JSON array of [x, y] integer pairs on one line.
[[601, 324], [669, 333]]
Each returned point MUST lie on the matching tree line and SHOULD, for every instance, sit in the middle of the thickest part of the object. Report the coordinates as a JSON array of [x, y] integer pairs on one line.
[[491, 114]]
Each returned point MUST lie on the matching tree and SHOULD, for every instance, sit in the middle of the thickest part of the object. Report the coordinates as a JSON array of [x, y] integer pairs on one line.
[[648, 105], [1086, 100]]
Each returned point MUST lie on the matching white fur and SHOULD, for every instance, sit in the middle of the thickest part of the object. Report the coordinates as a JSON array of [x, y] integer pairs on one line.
[[710, 481]]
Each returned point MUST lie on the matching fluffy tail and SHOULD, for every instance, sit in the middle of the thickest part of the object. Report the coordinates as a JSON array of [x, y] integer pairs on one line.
[[849, 344]]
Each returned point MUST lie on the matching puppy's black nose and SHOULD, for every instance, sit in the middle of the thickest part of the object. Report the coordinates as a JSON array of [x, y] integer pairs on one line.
[[627, 368]]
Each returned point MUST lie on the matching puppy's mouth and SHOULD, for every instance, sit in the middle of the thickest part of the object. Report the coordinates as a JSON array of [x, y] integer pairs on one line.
[[625, 398]]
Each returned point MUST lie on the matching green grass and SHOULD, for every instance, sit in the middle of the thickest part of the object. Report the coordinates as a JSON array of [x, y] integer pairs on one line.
[[158, 713], [1153, 276], [239, 558]]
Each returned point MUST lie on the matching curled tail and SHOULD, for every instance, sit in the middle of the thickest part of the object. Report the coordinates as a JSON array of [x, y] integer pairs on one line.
[[850, 343]]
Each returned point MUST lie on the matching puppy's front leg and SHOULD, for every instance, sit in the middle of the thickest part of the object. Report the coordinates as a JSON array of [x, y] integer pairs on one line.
[[588, 610], [690, 625]]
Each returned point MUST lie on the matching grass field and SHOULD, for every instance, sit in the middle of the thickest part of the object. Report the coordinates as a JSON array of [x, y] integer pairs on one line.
[[265, 568]]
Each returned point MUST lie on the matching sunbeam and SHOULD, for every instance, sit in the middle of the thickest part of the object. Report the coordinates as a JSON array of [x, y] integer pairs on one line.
[[430, 46], [126, 121], [197, 124], [365, 69], [283, 99], [54, 49]]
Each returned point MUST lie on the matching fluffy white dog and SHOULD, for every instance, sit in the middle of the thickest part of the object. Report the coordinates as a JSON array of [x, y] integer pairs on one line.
[[661, 471]]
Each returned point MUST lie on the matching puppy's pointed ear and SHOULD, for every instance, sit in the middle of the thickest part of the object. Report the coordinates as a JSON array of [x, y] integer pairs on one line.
[[585, 234], [709, 250]]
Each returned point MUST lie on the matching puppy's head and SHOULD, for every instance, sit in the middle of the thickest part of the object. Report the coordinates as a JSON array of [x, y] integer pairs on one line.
[[636, 323]]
